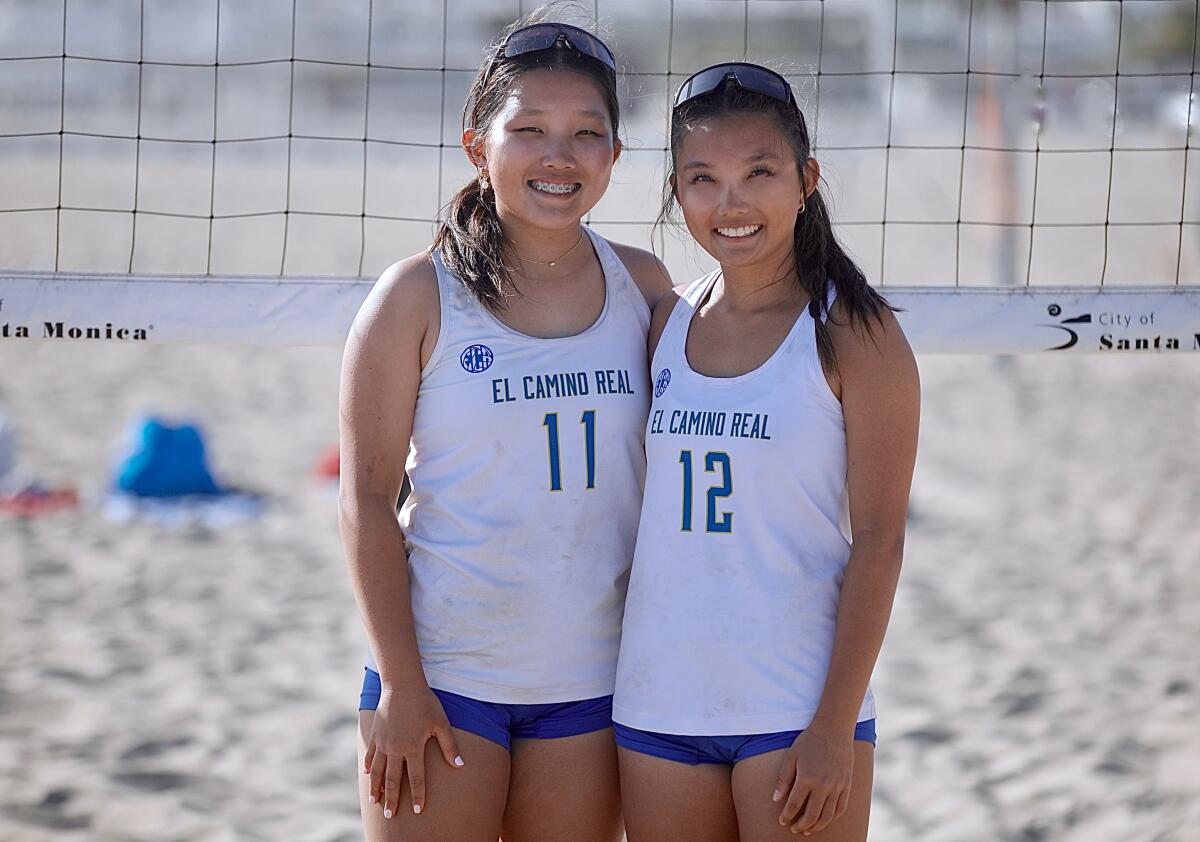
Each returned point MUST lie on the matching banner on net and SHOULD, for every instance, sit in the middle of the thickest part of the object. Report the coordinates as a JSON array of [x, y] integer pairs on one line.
[[56, 307]]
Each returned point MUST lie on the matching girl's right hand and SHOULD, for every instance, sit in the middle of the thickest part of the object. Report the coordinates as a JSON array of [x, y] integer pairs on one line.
[[404, 721]]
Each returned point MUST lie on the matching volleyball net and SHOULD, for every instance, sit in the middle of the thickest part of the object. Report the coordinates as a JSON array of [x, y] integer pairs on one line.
[[1019, 175]]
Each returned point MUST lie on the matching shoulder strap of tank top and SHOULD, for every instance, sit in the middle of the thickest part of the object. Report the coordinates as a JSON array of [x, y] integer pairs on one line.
[[620, 282], [675, 330], [830, 297], [445, 277], [451, 290]]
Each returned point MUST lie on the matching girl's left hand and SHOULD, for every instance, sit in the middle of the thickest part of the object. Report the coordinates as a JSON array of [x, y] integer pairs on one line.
[[815, 778]]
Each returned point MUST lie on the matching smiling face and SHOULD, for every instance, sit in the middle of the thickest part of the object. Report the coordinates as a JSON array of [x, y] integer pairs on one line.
[[550, 151], [740, 188]]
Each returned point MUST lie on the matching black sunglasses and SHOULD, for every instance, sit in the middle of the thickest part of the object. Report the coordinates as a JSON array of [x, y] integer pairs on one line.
[[751, 77], [543, 36]]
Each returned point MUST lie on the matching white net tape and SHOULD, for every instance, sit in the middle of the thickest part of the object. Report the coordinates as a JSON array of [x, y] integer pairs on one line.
[[981, 157]]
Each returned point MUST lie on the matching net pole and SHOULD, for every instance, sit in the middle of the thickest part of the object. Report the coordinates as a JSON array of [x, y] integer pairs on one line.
[[1008, 252]]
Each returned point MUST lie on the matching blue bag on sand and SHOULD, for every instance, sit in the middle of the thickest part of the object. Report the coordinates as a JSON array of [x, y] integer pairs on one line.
[[166, 461]]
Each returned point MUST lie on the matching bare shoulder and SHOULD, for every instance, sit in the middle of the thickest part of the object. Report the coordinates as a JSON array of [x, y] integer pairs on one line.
[[880, 393], [405, 293], [389, 343], [647, 271], [662, 312], [401, 310], [877, 352]]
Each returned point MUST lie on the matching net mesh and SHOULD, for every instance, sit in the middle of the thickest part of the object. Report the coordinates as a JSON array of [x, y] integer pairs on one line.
[[963, 143]]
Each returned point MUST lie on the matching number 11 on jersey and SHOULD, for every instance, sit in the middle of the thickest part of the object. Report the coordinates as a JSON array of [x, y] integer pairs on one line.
[[588, 420]]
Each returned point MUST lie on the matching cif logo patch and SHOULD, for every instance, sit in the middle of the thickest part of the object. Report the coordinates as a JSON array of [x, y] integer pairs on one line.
[[662, 382], [477, 358]]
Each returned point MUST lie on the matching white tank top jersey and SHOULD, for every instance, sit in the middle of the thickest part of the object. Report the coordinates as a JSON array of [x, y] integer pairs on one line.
[[527, 466], [729, 622]]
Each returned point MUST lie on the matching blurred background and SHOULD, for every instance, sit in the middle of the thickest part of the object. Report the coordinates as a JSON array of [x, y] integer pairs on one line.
[[192, 673], [1003, 142]]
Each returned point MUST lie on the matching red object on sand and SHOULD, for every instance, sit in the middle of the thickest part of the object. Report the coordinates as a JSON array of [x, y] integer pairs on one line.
[[29, 502], [329, 466]]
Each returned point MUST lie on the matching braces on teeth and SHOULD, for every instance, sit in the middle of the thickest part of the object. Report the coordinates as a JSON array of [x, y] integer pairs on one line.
[[553, 188]]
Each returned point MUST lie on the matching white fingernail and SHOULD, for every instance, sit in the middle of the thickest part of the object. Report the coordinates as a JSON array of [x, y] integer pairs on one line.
[[416, 808], [387, 814], [458, 761], [775, 796], [372, 799]]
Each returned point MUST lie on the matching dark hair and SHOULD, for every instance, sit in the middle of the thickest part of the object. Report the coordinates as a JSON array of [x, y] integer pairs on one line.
[[469, 234], [818, 258]]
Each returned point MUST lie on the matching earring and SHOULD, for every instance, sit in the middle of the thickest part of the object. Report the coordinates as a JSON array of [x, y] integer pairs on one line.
[[801, 209], [484, 184]]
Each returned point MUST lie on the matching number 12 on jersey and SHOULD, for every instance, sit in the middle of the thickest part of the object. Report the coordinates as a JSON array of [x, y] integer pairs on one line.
[[588, 420], [712, 460]]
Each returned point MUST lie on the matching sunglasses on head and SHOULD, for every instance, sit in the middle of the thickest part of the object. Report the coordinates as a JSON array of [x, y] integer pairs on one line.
[[543, 36], [750, 77]]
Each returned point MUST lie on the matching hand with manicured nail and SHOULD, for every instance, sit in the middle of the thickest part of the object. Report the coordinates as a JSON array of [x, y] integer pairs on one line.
[[404, 722], [814, 779]]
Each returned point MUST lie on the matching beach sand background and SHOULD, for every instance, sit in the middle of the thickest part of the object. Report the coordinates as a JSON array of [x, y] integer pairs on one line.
[[1039, 681]]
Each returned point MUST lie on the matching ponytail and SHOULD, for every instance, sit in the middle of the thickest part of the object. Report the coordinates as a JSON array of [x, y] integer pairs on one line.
[[472, 244], [820, 263]]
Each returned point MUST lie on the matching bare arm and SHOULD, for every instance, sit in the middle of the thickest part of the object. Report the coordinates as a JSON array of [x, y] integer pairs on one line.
[[879, 389], [381, 371], [647, 271], [880, 393], [390, 342], [662, 312]]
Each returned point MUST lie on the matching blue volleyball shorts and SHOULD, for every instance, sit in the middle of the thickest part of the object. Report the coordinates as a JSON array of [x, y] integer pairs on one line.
[[724, 750], [501, 723]]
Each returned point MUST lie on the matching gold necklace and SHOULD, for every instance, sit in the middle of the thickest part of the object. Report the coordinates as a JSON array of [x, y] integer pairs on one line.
[[555, 261]]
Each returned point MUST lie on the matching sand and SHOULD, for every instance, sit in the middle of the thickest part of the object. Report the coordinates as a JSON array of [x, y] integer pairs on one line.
[[1039, 681]]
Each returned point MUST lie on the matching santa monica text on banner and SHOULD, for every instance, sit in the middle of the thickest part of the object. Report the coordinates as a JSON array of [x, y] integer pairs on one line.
[[59, 330], [1145, 343]]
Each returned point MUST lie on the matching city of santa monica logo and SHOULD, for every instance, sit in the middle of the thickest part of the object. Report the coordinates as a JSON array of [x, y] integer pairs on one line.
[[477, 358], [1072, 338], [662, 382]]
